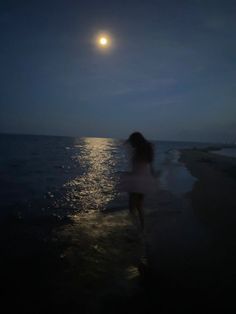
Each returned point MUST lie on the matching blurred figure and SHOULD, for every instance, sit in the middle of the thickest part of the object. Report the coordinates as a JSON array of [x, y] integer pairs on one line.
[[140, 180]]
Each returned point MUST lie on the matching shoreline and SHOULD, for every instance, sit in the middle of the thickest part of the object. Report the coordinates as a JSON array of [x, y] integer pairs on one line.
[[215, 187], [94, 261], [214, 203], [191, 240]]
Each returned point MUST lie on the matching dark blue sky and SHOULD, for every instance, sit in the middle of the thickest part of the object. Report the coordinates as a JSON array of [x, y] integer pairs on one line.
[[171, 72]]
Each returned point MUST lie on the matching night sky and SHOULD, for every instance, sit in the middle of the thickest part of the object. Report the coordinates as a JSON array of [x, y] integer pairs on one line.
[[169, 73]]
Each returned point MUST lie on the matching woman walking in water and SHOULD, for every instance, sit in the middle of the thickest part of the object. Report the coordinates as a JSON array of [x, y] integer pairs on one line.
[[140, 180]]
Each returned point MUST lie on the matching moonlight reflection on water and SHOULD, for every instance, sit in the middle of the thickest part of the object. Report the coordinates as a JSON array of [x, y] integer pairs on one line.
[[95, 187]]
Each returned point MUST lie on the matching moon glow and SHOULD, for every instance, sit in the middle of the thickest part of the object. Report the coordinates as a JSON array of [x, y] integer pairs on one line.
[[104, 41]]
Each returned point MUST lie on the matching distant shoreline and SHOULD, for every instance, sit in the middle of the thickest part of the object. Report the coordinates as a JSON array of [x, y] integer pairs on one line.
[[213, 194], [214, 147]]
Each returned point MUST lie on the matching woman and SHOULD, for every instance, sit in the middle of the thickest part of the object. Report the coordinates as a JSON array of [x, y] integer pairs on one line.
[[140, 180]]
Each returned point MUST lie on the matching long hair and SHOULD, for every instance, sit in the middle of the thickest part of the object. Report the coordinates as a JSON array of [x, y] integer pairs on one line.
[[143, 150]]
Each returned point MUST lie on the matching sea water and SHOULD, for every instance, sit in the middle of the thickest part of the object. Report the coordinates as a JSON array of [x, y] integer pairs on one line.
[[229, 152], [66, 174]]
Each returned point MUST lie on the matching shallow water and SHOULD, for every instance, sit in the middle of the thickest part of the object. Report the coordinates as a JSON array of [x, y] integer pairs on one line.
[[66, 224], [63, 174], [174, 175], [230, 152]]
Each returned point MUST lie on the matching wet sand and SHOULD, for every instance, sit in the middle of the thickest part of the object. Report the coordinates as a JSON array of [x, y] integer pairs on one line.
[[191, 240], [213, 196], [95, 262], [80, 265], [214, 205], [103, 263]]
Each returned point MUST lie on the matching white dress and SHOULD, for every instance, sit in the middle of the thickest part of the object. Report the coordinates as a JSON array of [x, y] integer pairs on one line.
[[140, 180]]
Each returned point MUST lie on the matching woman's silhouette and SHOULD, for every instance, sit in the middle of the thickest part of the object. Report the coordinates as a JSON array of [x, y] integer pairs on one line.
[[140, 180]]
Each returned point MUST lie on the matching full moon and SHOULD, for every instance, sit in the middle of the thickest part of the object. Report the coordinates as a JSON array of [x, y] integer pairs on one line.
[[103, 41]]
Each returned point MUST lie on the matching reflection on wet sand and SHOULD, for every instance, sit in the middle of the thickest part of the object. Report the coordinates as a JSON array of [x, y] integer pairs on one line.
[[101, 258], [95, 187], [102, 249]]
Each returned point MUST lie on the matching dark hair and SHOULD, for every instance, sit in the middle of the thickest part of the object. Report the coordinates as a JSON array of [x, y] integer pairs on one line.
[[143, 150]]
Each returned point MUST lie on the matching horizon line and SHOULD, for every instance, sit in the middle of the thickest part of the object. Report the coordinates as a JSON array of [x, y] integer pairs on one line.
[[109, 137]]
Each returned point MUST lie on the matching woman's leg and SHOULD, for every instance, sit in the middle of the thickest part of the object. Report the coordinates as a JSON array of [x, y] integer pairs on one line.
[[132, 203], [139, 206], [136, 205]]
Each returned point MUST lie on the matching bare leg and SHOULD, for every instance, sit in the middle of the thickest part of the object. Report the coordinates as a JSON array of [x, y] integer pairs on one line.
[[140, 198], [136, 207], [131, 202], [132, 205]]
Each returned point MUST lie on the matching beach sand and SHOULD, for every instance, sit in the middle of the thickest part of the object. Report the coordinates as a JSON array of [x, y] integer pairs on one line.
[[102, 263], [190, 240], [214, 206]]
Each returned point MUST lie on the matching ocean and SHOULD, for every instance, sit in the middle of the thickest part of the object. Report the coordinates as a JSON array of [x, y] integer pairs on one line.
[[229, 152], [66, 237], [63, 175]]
